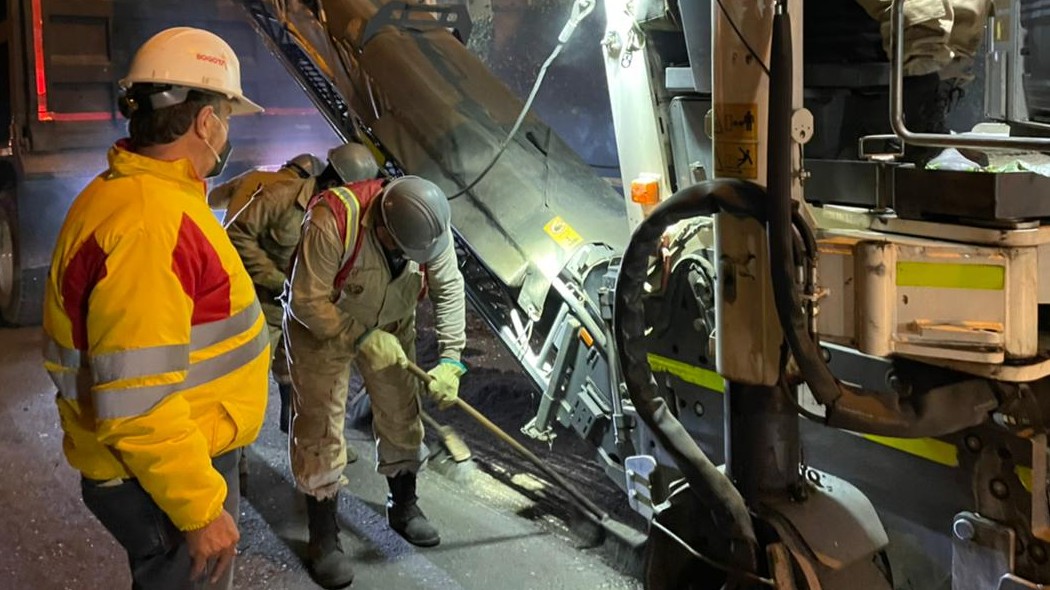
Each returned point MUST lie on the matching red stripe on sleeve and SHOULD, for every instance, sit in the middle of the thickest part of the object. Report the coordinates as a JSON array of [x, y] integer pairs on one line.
[[200, 271], [85, 269]]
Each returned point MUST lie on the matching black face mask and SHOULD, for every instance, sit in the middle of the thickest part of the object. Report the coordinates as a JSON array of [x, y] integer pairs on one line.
[[221, 159]]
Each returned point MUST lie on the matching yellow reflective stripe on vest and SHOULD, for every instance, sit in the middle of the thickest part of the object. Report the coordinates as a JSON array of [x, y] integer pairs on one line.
[[131, 401], [127, 402], [65, 380], [353, 219], [211, 369], [140, 362], [57, 354], [63, 366], [204, 335]]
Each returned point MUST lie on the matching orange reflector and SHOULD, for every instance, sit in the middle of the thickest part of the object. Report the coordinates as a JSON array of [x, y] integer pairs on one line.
[[645, 190], [586, 337]]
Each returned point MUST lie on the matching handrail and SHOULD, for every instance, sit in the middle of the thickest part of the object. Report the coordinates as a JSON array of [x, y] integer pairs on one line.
[[939, 140]]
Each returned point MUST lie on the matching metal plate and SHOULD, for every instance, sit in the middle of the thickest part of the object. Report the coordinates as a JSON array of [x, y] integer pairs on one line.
[[846, 182], [837, 522], [982, 552], [976, 196], [693, 159]]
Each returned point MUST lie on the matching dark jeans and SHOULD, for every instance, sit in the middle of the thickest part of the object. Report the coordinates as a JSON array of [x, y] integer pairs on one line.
[[157, 552]]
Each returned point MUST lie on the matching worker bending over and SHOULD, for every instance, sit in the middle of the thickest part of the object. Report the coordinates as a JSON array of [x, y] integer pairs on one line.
[[154, 336], [267, 231], [234, 194], [370, 251]]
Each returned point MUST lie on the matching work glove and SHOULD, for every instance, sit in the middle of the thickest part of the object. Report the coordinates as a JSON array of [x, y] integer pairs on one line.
[[444, 387], [381, 350]]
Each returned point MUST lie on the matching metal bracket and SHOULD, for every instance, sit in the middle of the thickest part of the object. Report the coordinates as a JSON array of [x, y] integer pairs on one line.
[[883, 154], [580, 10], [402, 15], [837, 523], [982, 552], [638, 471]]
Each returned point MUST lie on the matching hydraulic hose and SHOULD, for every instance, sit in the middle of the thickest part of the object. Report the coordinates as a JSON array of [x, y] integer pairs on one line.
[[935, 412], [939, 410], [714, 490]]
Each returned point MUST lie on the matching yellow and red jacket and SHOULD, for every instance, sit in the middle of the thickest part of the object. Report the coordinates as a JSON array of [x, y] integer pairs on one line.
[[154, 336]]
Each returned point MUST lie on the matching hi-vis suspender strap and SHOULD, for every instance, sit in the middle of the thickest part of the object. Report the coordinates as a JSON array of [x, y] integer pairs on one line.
[[353, 221]]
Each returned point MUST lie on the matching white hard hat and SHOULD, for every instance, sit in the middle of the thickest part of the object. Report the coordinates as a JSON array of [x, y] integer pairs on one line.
[[192, 58]]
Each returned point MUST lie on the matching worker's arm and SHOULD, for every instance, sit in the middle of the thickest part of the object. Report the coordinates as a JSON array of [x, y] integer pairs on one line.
[[138, 336], [445, 284], [257, 217], [219, 197], [313, 276]]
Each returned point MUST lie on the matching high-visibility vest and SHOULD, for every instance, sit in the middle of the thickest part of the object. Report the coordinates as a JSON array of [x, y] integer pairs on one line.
[[348, 203]]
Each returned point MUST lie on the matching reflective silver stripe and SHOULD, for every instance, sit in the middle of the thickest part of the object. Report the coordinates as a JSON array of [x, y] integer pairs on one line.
[[66, 382], [135, 401], [132, 401], [204, 335], [211, 369], [141, 362], [60, 355]]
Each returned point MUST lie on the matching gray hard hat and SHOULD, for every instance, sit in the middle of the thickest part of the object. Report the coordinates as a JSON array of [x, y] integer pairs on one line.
[[416, 213], [306, 165], [353, 162]]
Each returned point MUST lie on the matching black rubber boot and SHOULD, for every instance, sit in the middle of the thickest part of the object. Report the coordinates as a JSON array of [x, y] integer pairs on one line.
[[927, 102], [329, 563], [404, 514], [285, 391]]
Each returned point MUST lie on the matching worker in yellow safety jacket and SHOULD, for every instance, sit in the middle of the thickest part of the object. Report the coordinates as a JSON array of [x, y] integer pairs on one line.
[[235, 194], [154, 336]]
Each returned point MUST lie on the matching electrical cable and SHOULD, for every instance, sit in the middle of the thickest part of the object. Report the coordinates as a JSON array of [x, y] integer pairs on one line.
[[711, 562], [524, 109], [743, 39]]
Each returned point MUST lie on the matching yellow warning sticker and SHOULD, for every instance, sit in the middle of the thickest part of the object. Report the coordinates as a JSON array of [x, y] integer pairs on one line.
[[736, 122], [562, 233], [736, 159]]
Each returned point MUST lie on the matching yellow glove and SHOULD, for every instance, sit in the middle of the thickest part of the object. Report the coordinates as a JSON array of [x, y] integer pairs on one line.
[[381, 350], [444, 387]]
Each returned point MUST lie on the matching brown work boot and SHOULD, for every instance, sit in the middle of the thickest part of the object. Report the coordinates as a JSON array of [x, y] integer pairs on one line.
[[404, 515], [329, 563]]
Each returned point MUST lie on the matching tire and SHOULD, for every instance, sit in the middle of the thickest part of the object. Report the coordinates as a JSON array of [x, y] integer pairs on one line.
[[21, 291]]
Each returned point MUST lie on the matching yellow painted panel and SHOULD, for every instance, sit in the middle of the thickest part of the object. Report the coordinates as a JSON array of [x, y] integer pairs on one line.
[[941, 275]]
